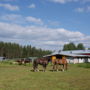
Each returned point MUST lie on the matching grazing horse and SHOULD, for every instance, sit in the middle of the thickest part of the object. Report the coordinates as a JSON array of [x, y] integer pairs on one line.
[[19, 62], [40, 61], [57, 62], [27, 61], [23, 61]]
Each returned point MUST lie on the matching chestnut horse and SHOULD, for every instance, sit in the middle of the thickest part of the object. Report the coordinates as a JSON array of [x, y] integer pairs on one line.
[[57, 62], [40, 61]]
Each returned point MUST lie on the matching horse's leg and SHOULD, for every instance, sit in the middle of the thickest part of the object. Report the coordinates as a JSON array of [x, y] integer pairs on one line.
[[34, 66], [66, 65], [44, 68], [53, 67], [60, 67], [56, 67], [20, 63], [63, 67], [37, 68]]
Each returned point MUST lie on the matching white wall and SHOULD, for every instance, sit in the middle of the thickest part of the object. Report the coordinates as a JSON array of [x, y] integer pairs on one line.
[[81, 60], [77, 60], [88, 59]]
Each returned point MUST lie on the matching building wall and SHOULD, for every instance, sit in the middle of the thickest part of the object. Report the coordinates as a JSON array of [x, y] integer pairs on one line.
[[88, 59], [78, 60]]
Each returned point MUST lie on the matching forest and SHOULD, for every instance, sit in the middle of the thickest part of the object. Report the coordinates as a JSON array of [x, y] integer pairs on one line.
[[14, 50]]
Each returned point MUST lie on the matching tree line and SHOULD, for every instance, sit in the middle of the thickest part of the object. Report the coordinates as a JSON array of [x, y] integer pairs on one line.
[[14, 50], [72, 46]]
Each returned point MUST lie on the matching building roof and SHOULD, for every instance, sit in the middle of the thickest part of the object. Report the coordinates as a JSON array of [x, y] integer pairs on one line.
[[73, 53]]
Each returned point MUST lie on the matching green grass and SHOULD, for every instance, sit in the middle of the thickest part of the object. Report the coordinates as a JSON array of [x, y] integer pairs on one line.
[[20, 77], [84, 65]]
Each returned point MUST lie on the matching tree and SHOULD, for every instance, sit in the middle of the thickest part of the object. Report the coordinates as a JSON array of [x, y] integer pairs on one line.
[[14, 50], [80, 46], [70, 46], [88, 48]]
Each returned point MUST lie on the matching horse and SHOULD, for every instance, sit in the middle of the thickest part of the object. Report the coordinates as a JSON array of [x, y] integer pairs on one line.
[[19, 62], [40, 61], [27, 61], [57, 62], [23, 61]]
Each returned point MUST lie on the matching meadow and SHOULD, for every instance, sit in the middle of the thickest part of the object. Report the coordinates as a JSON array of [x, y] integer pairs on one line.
[[20, 77]]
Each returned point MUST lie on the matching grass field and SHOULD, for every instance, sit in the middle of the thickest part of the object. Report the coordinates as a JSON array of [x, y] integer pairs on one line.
[[15, 77]]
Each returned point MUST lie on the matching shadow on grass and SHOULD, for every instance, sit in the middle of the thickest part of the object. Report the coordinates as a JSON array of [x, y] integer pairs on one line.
[[47, 70]]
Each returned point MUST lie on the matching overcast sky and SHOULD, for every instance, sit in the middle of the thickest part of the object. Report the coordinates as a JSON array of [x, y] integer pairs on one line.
[[46, 24]]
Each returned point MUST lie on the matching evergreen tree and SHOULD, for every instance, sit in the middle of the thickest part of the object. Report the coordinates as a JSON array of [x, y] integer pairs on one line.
[[13, 50]]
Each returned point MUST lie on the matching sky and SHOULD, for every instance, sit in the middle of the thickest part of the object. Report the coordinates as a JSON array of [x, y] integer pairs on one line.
[[46, 24]]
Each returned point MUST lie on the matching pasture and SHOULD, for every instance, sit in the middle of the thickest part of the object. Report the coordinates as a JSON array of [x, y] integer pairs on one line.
[[20, 77]]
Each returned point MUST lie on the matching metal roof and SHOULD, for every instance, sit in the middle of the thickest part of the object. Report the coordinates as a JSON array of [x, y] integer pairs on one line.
[[74, 53]]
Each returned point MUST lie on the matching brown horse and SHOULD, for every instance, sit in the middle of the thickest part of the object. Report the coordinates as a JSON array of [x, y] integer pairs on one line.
[[23, 61], [19, 62], [40, 61], [57, 62]]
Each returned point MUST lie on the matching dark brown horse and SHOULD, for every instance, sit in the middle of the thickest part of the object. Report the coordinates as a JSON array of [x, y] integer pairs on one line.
[[40, 61], [19, 62], [23, 61], [62, 62]]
